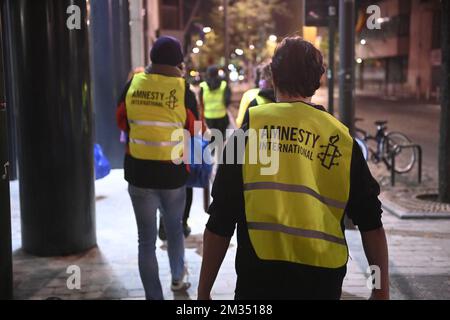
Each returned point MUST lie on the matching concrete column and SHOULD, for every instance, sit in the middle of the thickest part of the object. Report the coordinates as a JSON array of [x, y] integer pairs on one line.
[[6, 277], [54, 120], [111, 64]]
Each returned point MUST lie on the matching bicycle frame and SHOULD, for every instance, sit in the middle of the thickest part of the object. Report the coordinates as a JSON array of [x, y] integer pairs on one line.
[[380, 137], [388, 146]]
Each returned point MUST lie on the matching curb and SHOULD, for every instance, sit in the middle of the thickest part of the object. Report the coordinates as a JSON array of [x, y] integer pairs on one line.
[[403, 213]]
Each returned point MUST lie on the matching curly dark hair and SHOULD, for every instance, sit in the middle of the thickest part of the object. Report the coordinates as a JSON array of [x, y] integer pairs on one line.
[[297, 67]]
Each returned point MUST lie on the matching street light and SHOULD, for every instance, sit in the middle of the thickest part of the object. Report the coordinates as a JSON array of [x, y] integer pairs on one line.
[[273, 38], [195, 50], [363, 42], [239, 52], [251, 47], [383, 20], [207, 29], [359, 61], [234, 76], [199, 43]]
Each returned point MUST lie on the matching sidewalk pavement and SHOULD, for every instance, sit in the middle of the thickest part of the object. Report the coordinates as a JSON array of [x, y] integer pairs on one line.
[[419, 252], [419, 257]]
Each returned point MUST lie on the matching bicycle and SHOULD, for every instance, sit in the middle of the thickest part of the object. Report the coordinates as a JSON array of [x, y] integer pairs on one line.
[[387, 145]]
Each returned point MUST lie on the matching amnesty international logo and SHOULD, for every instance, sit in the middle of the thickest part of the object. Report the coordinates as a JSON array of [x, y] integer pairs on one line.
[[331, 154], [172, 100]]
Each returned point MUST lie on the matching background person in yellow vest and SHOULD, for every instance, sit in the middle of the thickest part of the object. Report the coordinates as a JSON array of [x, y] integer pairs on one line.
[[154, 104], [248, 97], [215, 97], [290, 229], [266, 93]]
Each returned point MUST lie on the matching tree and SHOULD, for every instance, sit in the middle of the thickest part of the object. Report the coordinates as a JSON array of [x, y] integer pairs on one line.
[[250, 25], [210, 52], [444, 147]]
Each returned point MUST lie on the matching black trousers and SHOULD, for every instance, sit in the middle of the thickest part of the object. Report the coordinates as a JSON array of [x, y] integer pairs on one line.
[[220, 124]]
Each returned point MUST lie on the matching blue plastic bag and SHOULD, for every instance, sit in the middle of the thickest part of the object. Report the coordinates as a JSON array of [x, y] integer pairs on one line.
[[201, 167], [102, 165]]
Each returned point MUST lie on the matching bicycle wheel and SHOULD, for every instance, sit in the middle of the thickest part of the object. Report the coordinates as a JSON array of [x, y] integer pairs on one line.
[[363, 147], [404, 158]]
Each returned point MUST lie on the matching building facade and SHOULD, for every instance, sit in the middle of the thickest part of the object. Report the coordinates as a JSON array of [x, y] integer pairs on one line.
[[403, 58], [150, 19]]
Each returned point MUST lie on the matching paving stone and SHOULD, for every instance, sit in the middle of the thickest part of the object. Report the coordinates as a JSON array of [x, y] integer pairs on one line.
[[136, 293]]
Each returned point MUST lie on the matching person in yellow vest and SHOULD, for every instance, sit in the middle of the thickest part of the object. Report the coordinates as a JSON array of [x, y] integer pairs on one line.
[[248, 97], [266, 93], [154, 104], [290, 222], [215, 97], [263, 94]]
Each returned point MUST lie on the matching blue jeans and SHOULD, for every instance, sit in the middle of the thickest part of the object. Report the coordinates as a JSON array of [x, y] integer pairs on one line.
[[171, 204]]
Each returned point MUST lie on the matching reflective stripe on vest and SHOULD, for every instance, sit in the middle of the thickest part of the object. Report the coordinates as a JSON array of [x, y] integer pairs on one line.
[[294, 231], [294, 188], [155, 109], [214, 101], [154, 143], [296, 214], [157, 124]]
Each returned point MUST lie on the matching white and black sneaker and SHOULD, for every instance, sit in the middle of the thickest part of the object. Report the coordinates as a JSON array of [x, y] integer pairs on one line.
[[181, 285], [178, 286]]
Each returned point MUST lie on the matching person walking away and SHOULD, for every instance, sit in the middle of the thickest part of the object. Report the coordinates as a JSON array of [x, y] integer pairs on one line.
[[290, 230], [266, 94], [215, 96], [248, 97], [154, 104]]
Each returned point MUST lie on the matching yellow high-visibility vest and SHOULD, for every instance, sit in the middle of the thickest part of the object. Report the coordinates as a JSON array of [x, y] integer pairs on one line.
[[295, 215], [247, 98], [214, 101], [262, 100], [155, 109]]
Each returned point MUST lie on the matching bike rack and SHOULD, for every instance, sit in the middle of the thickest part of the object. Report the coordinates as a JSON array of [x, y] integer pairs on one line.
[[393, 155]]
